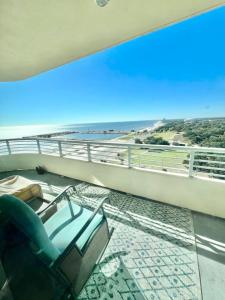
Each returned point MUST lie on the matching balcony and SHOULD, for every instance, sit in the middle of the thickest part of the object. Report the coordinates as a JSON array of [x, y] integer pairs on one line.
[[188, 177], [162, 248]]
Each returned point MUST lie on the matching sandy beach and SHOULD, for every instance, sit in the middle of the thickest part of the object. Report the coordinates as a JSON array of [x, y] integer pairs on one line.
[[140, 133]]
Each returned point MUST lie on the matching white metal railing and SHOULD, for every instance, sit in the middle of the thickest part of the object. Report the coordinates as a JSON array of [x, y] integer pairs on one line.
[[193, 161]]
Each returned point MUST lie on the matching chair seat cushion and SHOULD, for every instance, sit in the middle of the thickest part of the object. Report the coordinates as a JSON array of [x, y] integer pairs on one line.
[[65, 224]]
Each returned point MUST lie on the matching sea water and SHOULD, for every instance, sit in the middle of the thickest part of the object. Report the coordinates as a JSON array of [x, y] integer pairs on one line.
[[29, 130]]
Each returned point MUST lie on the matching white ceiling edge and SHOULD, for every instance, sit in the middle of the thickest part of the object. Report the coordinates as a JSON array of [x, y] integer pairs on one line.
[[37, 36]]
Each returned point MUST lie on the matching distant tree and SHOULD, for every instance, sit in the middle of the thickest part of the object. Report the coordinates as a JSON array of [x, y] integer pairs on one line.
[[138, 141], [155, 141], [205, 133]]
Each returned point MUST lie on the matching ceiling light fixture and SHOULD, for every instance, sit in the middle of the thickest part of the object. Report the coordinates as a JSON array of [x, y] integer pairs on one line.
[[102, 3]]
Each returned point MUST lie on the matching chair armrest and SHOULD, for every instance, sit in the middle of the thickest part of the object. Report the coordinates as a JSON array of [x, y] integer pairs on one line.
[[33, 203], [64, 192], [58, 198]]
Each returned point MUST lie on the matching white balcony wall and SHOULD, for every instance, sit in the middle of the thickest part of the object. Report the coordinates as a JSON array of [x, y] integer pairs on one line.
[[203, 195]]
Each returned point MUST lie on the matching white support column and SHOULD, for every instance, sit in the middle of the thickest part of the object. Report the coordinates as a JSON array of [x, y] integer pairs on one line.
[[191, 163], [60, 148], [39, 146], [8, 147], [89, 152], [129, 157]]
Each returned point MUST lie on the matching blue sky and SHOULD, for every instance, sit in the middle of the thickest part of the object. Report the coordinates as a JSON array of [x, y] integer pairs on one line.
[[177, 72]]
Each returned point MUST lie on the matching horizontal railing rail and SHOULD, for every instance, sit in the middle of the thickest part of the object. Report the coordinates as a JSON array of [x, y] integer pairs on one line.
[[193, 161]]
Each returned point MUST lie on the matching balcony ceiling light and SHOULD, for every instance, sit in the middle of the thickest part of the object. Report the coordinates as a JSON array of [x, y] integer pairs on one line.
[[102, 3]]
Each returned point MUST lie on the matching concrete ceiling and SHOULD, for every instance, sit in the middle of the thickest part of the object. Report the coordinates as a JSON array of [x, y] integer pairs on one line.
[[39, 35]]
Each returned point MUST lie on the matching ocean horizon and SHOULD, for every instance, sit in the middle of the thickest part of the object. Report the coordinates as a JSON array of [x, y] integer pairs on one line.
[[29, 130]]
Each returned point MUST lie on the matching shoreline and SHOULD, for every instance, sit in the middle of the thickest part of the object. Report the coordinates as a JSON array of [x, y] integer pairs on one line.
[[147, 130], [157, 125]]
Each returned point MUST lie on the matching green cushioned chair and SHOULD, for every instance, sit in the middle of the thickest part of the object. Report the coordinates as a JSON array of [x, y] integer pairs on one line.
[[51, 260]]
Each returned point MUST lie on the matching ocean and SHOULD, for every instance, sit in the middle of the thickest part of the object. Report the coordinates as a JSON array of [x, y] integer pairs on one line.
[[29, 130]]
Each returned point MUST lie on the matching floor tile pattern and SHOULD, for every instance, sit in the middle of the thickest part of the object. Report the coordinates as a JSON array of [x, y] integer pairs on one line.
[[151, 255]]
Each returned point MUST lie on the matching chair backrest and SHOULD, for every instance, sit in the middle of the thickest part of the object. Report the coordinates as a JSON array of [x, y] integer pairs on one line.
[[31, 226]]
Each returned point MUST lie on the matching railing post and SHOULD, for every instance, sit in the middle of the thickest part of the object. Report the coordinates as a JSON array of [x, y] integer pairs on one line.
[[39, 146], [129, 156], [191, 163], [89, 152], [8, 147], [60, 148]]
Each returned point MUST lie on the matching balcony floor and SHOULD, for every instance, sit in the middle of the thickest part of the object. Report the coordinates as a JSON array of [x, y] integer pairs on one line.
[[157, 251]]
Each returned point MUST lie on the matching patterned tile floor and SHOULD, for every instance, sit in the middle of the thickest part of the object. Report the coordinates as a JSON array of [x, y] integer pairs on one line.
[[151, 255]]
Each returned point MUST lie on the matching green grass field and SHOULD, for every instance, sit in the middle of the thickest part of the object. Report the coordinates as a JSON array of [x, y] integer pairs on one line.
[[155, 159], [166, 135], [158, 159]]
